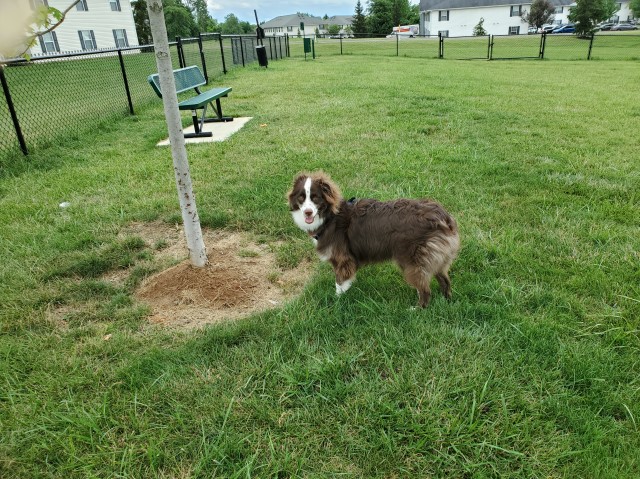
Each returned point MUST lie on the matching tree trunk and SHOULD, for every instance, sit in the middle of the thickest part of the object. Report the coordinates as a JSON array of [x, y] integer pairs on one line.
[[190, 217]]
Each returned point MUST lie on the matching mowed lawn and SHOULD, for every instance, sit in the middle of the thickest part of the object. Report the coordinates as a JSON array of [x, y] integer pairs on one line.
[[531, 371]]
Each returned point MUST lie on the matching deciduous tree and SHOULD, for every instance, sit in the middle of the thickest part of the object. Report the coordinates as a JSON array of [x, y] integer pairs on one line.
[[587, 13], [540, 13], [190, 218]]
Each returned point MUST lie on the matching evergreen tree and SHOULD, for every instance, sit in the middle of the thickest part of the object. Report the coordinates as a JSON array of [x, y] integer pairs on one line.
[[141, 21], [359, 22], [478, 30]]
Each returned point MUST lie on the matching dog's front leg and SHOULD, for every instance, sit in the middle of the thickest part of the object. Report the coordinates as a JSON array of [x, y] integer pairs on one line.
[[345, 275]]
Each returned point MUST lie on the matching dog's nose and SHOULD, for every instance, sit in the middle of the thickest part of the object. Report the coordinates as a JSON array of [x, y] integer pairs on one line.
[[308, 212]]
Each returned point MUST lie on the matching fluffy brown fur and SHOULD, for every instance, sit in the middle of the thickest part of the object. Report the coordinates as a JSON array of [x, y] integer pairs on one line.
[[419, 235]]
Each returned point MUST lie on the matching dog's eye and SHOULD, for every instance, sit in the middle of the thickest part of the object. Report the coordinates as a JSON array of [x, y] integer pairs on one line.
[[301, 198], [314, 198]]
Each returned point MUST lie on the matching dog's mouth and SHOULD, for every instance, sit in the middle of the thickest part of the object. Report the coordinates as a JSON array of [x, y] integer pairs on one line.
[[309, 217]]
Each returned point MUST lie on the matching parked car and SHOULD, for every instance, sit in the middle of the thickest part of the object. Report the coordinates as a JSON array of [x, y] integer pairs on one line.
[[564, 29], [623, 26], [532, 31], [606, 26], [546, 28]]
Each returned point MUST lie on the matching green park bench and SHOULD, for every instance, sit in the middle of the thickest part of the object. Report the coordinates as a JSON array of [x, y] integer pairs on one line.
[[191, 78]]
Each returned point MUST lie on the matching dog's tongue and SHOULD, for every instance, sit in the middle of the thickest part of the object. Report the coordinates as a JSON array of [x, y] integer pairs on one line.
[[308, 220]]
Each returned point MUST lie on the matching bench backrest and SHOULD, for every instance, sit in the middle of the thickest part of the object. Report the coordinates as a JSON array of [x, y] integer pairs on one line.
[[185, 78]]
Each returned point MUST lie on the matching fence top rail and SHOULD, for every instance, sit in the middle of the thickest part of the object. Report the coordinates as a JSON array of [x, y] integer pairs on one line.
[[104, 51]]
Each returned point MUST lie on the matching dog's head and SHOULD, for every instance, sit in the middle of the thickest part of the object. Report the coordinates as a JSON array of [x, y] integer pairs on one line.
[[313, 197]]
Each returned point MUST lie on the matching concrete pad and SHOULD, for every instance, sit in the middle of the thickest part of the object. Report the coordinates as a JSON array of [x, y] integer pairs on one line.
[[221, 131]]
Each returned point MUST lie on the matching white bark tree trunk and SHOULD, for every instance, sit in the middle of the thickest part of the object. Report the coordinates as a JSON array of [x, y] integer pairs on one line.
[[190, 218]]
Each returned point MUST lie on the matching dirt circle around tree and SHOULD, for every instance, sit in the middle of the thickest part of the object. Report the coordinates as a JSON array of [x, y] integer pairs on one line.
[[242, 277]]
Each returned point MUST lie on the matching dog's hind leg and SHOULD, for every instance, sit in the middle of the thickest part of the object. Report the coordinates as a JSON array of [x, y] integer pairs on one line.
[[445, 283], [419, 279]]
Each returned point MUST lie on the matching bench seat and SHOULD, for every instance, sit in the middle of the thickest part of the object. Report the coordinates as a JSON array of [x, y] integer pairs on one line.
[[203, 98]]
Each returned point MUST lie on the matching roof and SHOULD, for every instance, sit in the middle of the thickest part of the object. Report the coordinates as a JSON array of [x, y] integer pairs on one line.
[[293, 21], [426, 5], [340, 20]]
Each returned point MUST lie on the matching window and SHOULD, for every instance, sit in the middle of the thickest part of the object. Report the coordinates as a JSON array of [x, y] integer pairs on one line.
[[289, 29], [428, 16], [120, 36], [558, 10], [49, 43], [87, 39], [514, 30], [81, 6], [443, 33], [516, 10], [36, 3], [115, 5], [443, 15]]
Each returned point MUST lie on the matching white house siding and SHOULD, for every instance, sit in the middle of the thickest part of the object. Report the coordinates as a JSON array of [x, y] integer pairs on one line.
[[497, 18], [99, 18], [461, 22]]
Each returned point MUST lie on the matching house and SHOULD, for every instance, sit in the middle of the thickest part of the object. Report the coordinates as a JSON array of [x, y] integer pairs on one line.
[[290, 24], [90, 25], [457, 18]]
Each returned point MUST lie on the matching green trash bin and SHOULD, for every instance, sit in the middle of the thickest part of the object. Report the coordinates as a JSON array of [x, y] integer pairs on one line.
[[307, 45]]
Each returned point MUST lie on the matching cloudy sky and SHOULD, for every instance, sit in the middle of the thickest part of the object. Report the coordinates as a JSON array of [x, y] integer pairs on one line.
[[268, 9]]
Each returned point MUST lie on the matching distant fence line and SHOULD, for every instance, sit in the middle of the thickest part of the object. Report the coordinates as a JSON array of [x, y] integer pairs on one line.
[[51, 96], [487, 47]]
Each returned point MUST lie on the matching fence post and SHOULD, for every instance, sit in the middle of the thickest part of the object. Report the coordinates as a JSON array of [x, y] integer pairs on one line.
[[398, 44], [224, 65], [241, 49], [180, 52], [590, 45], [440, 45], [204, 65], [126, 82], [12, 111], [543, 42], [491, 47]]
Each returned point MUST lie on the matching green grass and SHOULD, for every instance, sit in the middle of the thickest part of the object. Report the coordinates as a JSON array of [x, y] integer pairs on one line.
[[55, 100], [531, 371], [606, 46]]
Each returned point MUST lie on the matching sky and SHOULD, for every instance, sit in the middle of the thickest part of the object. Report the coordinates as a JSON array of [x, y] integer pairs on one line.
[[269, 9]]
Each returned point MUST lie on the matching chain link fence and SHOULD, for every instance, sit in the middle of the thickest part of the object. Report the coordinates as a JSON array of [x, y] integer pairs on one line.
[[49, 97], [489, 47]]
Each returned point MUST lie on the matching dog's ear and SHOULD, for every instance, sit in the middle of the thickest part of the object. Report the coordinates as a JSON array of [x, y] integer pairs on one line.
[[331, 193], [295, 190]]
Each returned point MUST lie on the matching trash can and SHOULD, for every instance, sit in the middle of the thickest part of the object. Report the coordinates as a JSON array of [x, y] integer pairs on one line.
[[307, 45], [261, 53]]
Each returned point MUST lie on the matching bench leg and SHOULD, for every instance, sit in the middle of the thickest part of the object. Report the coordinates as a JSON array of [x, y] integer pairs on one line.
[[197, 126], [218, 110]]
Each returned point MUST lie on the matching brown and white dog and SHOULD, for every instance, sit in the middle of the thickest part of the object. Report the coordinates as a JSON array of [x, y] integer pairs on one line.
[[419, 235]]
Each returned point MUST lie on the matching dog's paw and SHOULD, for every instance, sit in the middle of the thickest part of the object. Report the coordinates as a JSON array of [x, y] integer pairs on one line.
[[342, 288]]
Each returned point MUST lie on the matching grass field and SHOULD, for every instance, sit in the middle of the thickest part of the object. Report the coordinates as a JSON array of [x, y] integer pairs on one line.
[[531, 371], [606, 46]]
